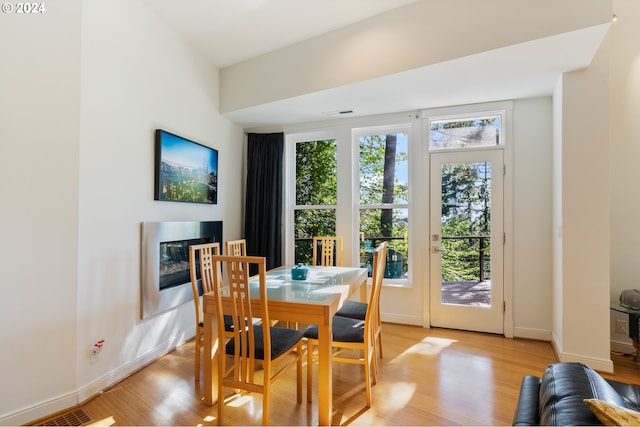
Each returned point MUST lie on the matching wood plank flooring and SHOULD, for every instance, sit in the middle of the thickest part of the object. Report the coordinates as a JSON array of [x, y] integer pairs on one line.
[[427, 377]]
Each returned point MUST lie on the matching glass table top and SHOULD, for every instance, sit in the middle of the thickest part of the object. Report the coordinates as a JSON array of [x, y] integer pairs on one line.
[[320, 284], [620, 307]]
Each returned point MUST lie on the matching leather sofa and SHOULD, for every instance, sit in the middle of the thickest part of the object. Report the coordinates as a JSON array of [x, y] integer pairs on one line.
[[558, 397]]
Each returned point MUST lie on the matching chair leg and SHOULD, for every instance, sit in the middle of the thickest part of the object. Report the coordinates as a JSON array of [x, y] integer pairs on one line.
[[266, 394], [196, 374], [374, 366], [367, 377], [221, 374], [299, 373], [220, 407], [309, 370]]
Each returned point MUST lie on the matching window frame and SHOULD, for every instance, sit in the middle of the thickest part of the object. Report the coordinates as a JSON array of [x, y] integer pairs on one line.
[[356, 207], [470, 111], [290, 188]]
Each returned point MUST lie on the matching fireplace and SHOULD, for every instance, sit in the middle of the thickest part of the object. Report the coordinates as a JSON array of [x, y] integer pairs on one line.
[[165, 277]]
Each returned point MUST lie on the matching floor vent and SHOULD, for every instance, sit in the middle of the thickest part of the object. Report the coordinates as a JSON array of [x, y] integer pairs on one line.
[[77, 417]]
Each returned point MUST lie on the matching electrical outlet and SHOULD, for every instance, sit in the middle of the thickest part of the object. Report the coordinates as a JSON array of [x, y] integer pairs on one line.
[[95, 350], [93, 355], [622, 326]]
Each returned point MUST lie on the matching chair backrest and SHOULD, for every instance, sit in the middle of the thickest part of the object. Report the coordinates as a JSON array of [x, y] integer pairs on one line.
[[200, 260], [235, 247], [373, 308], [330, 253], [234, 298]]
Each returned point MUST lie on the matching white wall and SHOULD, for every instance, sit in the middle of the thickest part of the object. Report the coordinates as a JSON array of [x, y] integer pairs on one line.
[[585, 215], [557, 250], [136, 79], [624, 131], [599, 153], [39, 140], [532, 217], [86, 93]]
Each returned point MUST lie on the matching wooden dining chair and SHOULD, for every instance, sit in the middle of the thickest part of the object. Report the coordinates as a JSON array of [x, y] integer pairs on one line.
[[200, 260], [358, 310], [277, 348], [235, 247], [330, 251], [239, 248], [353, 333]]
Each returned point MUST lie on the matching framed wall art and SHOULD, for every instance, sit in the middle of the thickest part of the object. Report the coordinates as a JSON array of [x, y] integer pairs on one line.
[[185, 171]]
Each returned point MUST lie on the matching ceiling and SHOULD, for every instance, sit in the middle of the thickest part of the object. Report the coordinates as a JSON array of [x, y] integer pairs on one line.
[[232, 31]]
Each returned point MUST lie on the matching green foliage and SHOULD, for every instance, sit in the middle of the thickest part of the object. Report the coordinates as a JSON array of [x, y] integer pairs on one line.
[[397, 240], [381, 160], [372, 171], [466, 211], [309, 223], [316, 184], [316, 176]]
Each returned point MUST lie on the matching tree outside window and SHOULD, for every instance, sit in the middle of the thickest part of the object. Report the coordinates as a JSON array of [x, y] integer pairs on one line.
[[384, 199], [316, 195], [466, 217], [466, 195]]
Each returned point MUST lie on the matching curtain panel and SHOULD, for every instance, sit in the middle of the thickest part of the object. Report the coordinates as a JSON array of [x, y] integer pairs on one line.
[[263, 204]]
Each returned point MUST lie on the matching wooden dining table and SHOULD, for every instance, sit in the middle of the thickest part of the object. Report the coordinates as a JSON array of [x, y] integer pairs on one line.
[[311, 301]]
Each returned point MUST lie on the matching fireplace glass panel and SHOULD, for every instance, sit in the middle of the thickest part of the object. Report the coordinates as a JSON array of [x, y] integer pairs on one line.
[[174, 261]]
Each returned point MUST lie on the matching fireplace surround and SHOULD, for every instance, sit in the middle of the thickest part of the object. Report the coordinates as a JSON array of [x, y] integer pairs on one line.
[[165, 278]]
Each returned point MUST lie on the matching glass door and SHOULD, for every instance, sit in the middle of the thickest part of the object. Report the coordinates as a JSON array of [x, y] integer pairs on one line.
[[466, 240]]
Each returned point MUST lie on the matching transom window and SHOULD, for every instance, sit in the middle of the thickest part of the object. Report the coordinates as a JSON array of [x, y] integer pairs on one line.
[[466, 132]]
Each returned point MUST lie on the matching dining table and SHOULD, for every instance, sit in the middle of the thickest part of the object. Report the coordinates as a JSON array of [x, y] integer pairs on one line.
[[314, 300]]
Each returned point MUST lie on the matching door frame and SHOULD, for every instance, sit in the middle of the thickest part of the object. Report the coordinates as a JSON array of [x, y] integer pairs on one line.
[[469, 317], [471, 109]]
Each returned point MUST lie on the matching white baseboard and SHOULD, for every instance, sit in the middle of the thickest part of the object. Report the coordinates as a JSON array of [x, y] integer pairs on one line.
[[62, 403], [533, 334], [90, 390], [403, 320], [40, 410], [622, 347], [601, 365]]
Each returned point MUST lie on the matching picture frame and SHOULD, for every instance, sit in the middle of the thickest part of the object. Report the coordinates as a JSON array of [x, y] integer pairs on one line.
[[185, 170]]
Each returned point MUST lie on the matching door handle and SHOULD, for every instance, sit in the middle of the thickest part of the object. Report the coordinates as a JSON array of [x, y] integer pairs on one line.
[[437, 250]]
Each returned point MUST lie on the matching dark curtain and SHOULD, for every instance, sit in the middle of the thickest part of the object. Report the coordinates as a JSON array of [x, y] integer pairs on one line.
[[263, 205]]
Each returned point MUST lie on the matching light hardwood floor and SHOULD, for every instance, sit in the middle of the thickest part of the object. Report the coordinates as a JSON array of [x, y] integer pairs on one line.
[[427, 377]]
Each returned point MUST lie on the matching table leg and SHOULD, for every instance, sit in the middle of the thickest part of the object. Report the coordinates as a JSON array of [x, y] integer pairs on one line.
[[636, 357], [210, 358], [325, 378], [634, 334]]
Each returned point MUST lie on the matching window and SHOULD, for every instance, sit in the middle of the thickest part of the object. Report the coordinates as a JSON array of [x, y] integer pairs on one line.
[[383, 182], [314, 212], [466, 132]]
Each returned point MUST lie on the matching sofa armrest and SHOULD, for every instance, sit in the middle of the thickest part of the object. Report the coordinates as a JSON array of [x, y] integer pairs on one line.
[[528, 407], [563, 390], [630, 393]]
